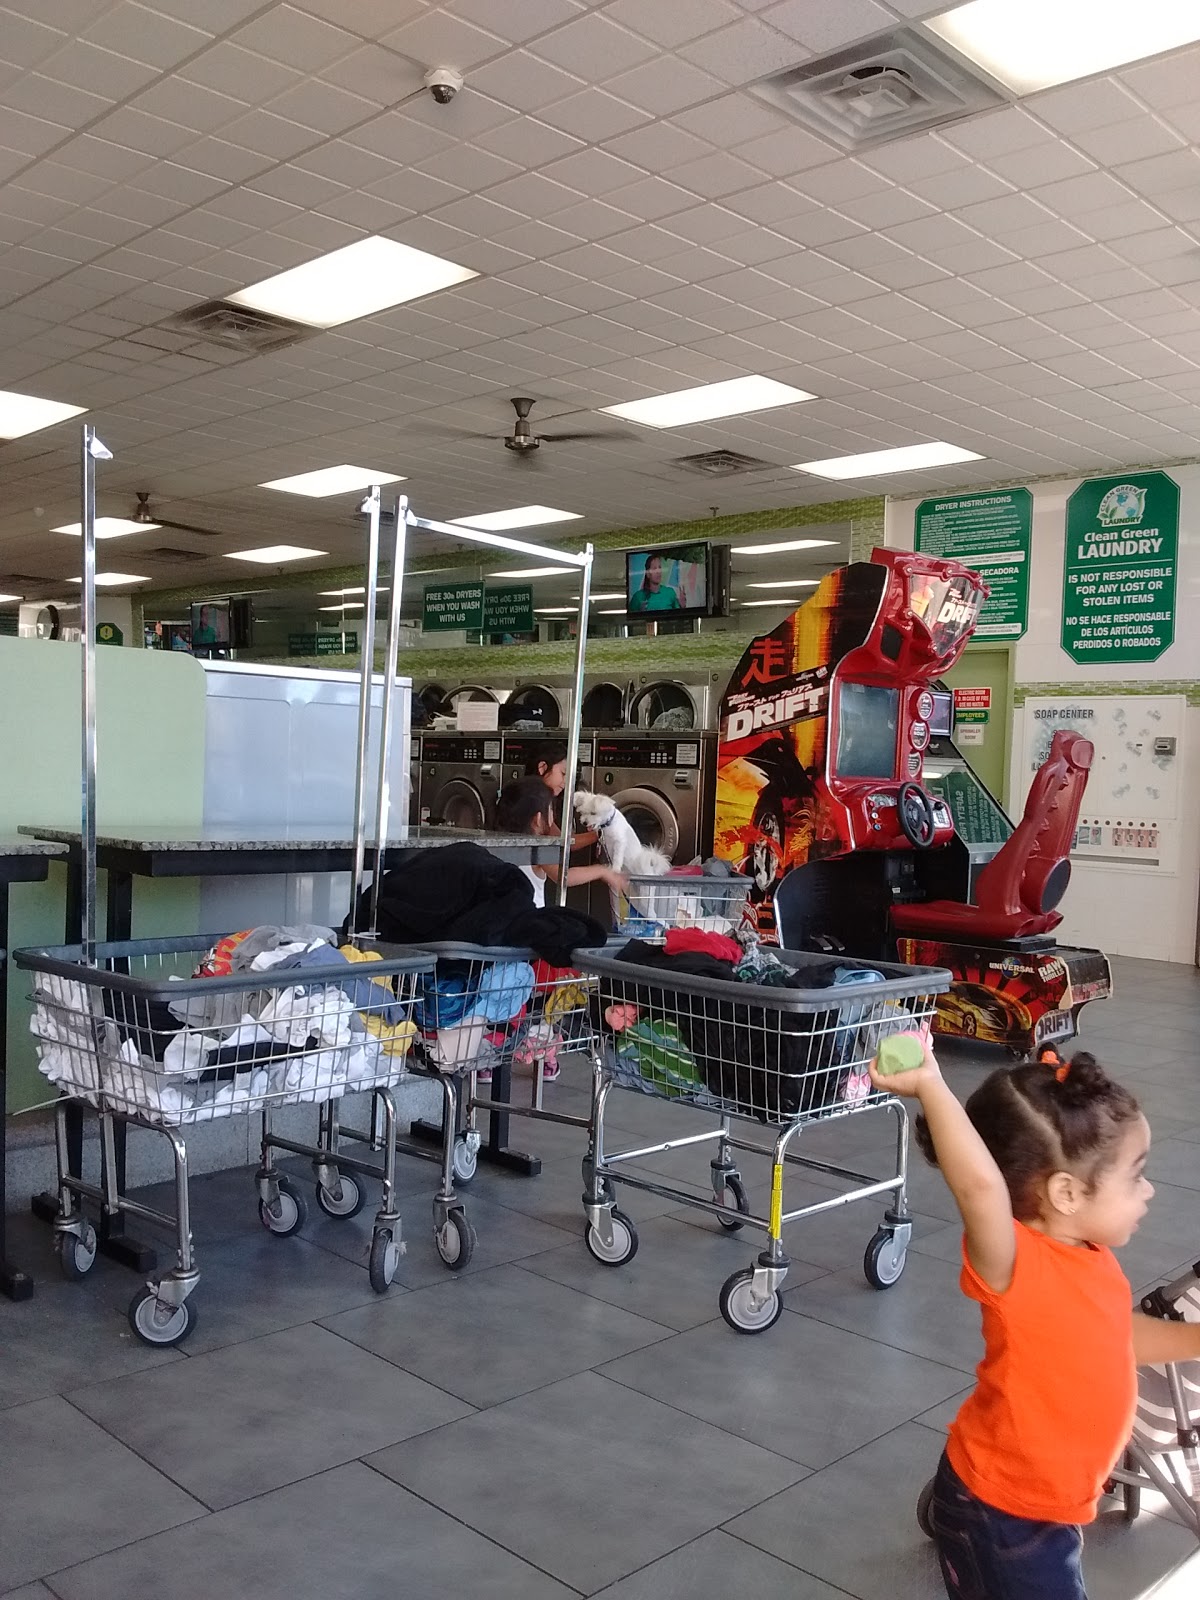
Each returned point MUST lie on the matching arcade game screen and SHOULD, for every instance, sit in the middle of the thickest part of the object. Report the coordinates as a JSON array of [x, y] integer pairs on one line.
[[866, 743]]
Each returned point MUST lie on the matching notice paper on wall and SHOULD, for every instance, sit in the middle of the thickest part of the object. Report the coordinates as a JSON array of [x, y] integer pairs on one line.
[[477, 716]]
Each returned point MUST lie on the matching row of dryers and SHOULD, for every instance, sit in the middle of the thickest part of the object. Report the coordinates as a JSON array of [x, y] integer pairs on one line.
[[664, 784], [648, 705]]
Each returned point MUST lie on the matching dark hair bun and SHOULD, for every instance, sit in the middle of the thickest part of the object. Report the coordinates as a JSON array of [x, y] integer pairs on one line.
[[924, 1140], [1084, 1081]]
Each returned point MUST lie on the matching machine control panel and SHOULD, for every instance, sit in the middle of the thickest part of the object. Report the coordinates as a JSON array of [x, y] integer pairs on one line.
[[649, 752], [459, 749]]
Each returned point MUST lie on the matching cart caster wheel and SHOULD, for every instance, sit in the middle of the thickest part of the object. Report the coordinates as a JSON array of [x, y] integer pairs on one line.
[[734, 1197], [346, 1201], [925, 1509], [884, 1259], [157, 1323], [455, 1240], [288, 1214], [742, 1311], [624, 1241], [385, 1261], [76, 1256], [465, 1162]]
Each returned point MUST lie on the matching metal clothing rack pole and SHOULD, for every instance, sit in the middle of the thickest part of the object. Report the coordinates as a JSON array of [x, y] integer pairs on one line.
[[369, 506], [496, 1150], [383, 793]]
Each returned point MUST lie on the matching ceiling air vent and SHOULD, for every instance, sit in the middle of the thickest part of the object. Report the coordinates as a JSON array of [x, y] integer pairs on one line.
[[166, 552], [879, 89], [253, 333], [723, 464]]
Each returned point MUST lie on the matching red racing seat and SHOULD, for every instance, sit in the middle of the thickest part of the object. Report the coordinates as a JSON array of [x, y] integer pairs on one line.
[[1017, 891]]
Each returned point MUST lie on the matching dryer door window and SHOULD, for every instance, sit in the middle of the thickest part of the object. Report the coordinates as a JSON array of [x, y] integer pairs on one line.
[[663, 707], [651, 817], [531, 706], [458, 804], [603, 706]]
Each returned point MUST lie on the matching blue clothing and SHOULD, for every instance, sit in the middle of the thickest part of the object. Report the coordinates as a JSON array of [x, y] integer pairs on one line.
[[987, 1554]]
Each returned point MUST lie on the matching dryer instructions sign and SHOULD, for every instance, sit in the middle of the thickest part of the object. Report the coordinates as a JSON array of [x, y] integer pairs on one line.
[[1119, 566], [990, 534]]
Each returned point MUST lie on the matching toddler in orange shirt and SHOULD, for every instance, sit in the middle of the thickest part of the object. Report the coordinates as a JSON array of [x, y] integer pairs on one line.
[[1047, 1165]]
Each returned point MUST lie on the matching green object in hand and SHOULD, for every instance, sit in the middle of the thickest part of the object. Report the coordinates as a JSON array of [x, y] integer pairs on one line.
[[903, 1052]]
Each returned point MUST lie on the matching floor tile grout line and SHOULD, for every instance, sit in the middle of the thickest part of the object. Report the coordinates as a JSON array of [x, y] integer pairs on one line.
[[668, 1331], [134, 1451], [749, 1543], [487, 1537], [915, 1355]]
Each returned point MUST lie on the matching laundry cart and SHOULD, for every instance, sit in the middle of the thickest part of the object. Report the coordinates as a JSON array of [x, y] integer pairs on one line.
[[648, 906], [147, 1033], [785, 1057], [483, 1008]]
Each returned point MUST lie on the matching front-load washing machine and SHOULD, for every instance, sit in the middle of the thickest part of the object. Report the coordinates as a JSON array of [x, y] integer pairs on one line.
[[522, 751], [414, 780], [664, 785], [675, 705], [460, 779]]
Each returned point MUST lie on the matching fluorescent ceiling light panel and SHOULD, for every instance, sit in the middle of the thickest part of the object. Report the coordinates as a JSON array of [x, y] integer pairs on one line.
[[25, 413], [617, 596], [1029, 45], [535, 572], [272, 554], [4, 598], [355, 606], [878, 463], [111, 580], [736, 397], [355, 281], [380, 589], [787, 583], [332, 480], [554, 611], [777, 549], [109, 527], [517, 517], [615, 611], [780, 600]]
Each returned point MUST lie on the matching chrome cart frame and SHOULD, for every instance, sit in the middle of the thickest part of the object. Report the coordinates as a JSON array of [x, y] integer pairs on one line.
[[841, 1036]]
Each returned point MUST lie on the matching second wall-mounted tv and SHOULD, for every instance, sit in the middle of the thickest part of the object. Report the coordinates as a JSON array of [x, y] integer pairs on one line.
[[677, 580]]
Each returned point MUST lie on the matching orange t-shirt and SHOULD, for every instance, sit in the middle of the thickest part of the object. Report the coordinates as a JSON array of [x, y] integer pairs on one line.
[[1056, 1390]]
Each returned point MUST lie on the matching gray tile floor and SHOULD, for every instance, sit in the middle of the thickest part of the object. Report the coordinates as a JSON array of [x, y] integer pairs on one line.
[[540, 1426]]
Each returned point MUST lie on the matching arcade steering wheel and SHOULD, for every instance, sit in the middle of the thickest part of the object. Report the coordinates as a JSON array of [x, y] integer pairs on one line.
[[915, 810]]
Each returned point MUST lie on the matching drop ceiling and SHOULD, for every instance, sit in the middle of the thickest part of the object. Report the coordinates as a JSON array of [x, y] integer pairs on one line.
[[1024, 283]]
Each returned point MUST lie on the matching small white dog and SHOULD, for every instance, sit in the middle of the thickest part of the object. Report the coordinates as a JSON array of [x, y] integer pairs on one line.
[[618, 842]]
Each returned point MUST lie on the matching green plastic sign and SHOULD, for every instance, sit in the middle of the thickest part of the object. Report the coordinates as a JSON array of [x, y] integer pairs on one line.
[[451, 607], [990, 534], [508, 610], [322, 644], [109, 633], [1119, 569]]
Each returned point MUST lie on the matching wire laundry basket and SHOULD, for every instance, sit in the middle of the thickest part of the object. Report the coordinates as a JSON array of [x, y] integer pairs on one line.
[[652, 904], [770, 1053], [149, 1033]]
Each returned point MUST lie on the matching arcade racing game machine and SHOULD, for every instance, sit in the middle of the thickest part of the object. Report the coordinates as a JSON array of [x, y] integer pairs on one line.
[[826, 726]]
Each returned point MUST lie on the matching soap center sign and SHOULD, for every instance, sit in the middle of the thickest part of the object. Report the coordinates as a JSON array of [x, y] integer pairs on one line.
[[1119, 569]]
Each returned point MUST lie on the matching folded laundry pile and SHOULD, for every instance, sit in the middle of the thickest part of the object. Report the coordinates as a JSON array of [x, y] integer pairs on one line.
[[315, 1028], [705, 1044]]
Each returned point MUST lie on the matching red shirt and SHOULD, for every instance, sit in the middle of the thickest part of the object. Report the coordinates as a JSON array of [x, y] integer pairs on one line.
[[1056, 1390]]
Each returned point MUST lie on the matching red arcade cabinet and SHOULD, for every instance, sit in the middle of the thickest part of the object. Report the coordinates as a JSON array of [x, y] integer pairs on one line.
[[826, 729]]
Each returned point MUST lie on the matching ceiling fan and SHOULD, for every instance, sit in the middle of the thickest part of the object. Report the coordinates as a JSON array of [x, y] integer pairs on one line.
[[525, 443], [144, 514]]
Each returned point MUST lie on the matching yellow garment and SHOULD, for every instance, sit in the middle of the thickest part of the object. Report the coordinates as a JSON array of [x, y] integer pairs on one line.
[[395, 1038], [563, 998]]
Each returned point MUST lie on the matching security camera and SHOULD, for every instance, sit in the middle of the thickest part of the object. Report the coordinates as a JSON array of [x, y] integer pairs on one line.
[[443, 84]]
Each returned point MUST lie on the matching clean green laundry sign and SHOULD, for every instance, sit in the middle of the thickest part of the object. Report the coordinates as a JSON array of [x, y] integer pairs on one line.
[[1120, 559]]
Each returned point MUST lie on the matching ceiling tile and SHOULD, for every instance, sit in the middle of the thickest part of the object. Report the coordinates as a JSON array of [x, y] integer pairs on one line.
[[517, 23], [743, 52], [594, 115], [594, 46], [436, 37], [297, 39], [524, 82], [996, 133], [831, 25], [243, 74], [666, 85], [86, 65], [189, 104], [27, 41], [144, 35]]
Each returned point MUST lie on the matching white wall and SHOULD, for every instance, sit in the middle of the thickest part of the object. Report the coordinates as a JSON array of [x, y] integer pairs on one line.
[[1122, 907]]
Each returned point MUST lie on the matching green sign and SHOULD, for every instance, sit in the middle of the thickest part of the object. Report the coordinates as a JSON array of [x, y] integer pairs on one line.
[[109, 633], [961, 717], [322, 644], [1119, 564], [508, 610], [977, 818], [452, 606], [990, 534]]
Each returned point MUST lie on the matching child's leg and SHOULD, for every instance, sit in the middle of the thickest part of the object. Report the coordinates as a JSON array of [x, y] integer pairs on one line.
[[986, 1554]]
